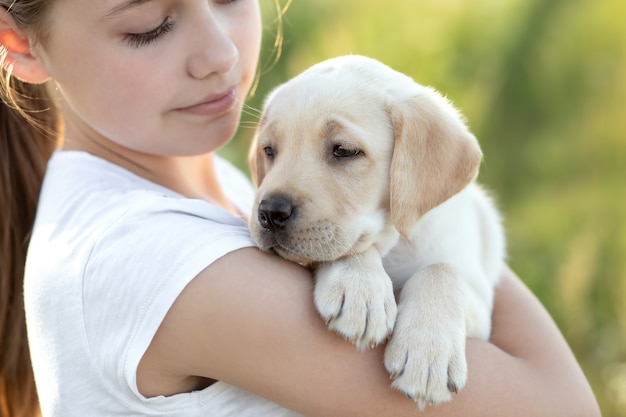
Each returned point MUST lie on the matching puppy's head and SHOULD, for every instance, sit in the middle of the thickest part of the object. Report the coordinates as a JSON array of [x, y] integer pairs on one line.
[[347, 153]]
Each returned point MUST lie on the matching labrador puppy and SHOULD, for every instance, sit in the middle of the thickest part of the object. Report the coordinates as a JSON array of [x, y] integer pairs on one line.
[[368, 178]]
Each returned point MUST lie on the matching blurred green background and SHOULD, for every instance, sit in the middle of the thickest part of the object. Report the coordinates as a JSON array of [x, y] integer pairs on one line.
[[543, 86]]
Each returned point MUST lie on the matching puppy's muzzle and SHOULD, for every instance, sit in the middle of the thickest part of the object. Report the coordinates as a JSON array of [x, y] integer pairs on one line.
[[274, 213]]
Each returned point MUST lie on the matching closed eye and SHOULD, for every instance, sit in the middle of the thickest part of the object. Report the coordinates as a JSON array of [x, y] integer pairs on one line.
[[138, 40]]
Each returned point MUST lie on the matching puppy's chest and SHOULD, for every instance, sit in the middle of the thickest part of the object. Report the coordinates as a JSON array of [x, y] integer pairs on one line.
[[402, 261]]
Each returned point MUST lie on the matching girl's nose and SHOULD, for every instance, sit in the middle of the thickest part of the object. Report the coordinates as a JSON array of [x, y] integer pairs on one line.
[[214, 50]]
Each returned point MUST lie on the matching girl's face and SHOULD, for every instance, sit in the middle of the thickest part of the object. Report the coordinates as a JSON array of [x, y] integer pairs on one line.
[[164, 77]]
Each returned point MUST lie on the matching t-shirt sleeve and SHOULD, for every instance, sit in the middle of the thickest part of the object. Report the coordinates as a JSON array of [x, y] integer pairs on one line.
[[137, 269]]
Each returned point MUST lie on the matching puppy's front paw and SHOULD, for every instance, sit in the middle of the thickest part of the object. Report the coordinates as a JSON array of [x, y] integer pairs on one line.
[[359, 303], [426, 362]]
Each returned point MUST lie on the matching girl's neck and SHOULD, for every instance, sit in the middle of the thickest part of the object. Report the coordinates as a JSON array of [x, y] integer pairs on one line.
[[191, 176]]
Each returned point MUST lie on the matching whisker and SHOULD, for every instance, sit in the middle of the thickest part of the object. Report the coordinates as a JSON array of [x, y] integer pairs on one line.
[[252, 110], [248, 126], [248, 109], [252, 115], [248, 123]]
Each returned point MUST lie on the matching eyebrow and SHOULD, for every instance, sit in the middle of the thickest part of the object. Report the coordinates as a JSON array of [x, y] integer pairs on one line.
[[332, 126], [127, 5]]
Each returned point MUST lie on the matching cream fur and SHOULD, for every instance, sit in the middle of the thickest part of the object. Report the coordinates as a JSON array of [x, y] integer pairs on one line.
[[369, 178]]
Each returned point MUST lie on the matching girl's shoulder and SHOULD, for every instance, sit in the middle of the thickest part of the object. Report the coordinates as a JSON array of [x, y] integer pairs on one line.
[[109, 254], [98, 209]]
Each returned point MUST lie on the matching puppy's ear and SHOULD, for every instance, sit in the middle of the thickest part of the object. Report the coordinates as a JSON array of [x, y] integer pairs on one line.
[[435, 156]]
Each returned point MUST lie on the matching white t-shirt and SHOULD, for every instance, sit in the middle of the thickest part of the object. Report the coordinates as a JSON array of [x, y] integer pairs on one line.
[[109, 254]]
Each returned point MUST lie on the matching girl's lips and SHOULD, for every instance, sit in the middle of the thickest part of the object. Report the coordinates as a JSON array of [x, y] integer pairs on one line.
[[214, 105]]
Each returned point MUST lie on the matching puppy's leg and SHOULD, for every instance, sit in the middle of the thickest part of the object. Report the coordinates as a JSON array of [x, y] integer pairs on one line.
[[355, 297], [426, 354]]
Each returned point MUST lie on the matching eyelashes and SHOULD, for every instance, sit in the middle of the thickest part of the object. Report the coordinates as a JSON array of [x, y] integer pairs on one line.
[[137, 40]]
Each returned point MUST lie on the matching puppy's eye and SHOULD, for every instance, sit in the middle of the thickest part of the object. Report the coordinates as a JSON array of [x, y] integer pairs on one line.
[[341, 151], [269, 151]]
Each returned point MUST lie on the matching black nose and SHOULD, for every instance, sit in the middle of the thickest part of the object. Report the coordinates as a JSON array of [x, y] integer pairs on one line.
[[274, 212]]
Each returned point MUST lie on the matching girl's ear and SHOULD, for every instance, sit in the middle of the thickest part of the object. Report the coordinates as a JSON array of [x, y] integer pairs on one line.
[[16, 53]]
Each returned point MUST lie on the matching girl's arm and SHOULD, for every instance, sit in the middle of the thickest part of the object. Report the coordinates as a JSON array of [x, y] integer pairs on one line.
[[249, 320]]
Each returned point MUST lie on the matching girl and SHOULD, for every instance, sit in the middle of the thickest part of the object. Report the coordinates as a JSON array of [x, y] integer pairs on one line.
[[143, 292]]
